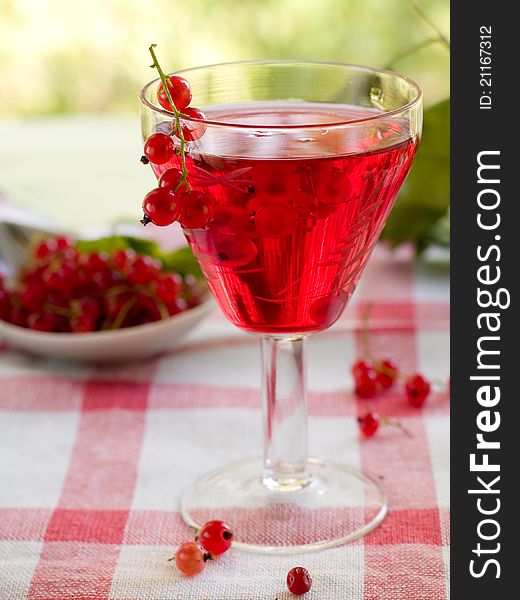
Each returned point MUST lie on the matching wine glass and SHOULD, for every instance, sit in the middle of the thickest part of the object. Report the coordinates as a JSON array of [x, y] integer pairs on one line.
[[293, 174]]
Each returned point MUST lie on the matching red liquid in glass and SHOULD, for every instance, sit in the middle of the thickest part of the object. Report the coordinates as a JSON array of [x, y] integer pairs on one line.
[[289, 237]]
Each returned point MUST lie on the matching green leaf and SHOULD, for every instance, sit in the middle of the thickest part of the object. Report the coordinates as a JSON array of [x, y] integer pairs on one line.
[[107, 244], [180, 261], [144, 247], [425, 196]]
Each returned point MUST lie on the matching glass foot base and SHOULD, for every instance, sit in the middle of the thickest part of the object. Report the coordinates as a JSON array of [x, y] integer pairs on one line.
[[338, 504]]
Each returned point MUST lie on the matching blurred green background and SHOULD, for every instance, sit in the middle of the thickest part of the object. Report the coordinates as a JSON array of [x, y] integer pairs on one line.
[[72, 69]]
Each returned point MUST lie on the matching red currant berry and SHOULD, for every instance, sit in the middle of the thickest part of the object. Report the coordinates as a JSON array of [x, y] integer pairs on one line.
[[5, 305], [177, 306], [193, 292], [82, 324], [171, 178], [190, 558], [97, 262], [275, 221], [159, 148], [113, 305], [274, 192], [253, 205], [334, 187], [45, 249], [326, 310], [193, 130], [55, 281], [89, 307], [179, 90], [32, 297], [360, 367], [366, 385], [102, 281], [58, 300], [369, 423], [387, 372], [167, 287], [299, 581], [232, 252], [18, 317], [195, 209], [148, 305], [274, 184], [144, 270], [309, 207], [33, 274], [193, 299], [215, 537], [70, 254], [161, 206], [190, 281], [44, 321], [417, 390], [62, 243], [232, 220], [122, 259]]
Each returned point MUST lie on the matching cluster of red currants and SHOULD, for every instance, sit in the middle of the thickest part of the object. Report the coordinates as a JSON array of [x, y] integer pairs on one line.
[[374, 377], [173, 200], [63, 290], [212, 539]]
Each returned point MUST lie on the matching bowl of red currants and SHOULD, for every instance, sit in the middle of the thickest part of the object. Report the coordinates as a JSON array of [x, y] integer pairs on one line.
[[113, 299]]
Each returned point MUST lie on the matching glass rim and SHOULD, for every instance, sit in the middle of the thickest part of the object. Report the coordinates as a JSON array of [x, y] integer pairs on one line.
[[379, 70]]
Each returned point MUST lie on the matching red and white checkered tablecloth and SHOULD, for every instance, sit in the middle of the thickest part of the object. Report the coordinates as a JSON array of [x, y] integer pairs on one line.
[[92, 459]]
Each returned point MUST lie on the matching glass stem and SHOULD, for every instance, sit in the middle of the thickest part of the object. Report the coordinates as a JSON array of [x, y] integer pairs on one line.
[[285, 413]]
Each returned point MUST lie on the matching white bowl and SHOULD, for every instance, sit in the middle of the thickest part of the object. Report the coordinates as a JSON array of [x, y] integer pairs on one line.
[[130, 343]]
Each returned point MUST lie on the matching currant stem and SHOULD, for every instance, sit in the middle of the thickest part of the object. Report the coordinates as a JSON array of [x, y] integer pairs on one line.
[[380, 367], [118, 321], [161, 306], [58, 310], [177, 115], [115, 291], [398, 424]]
